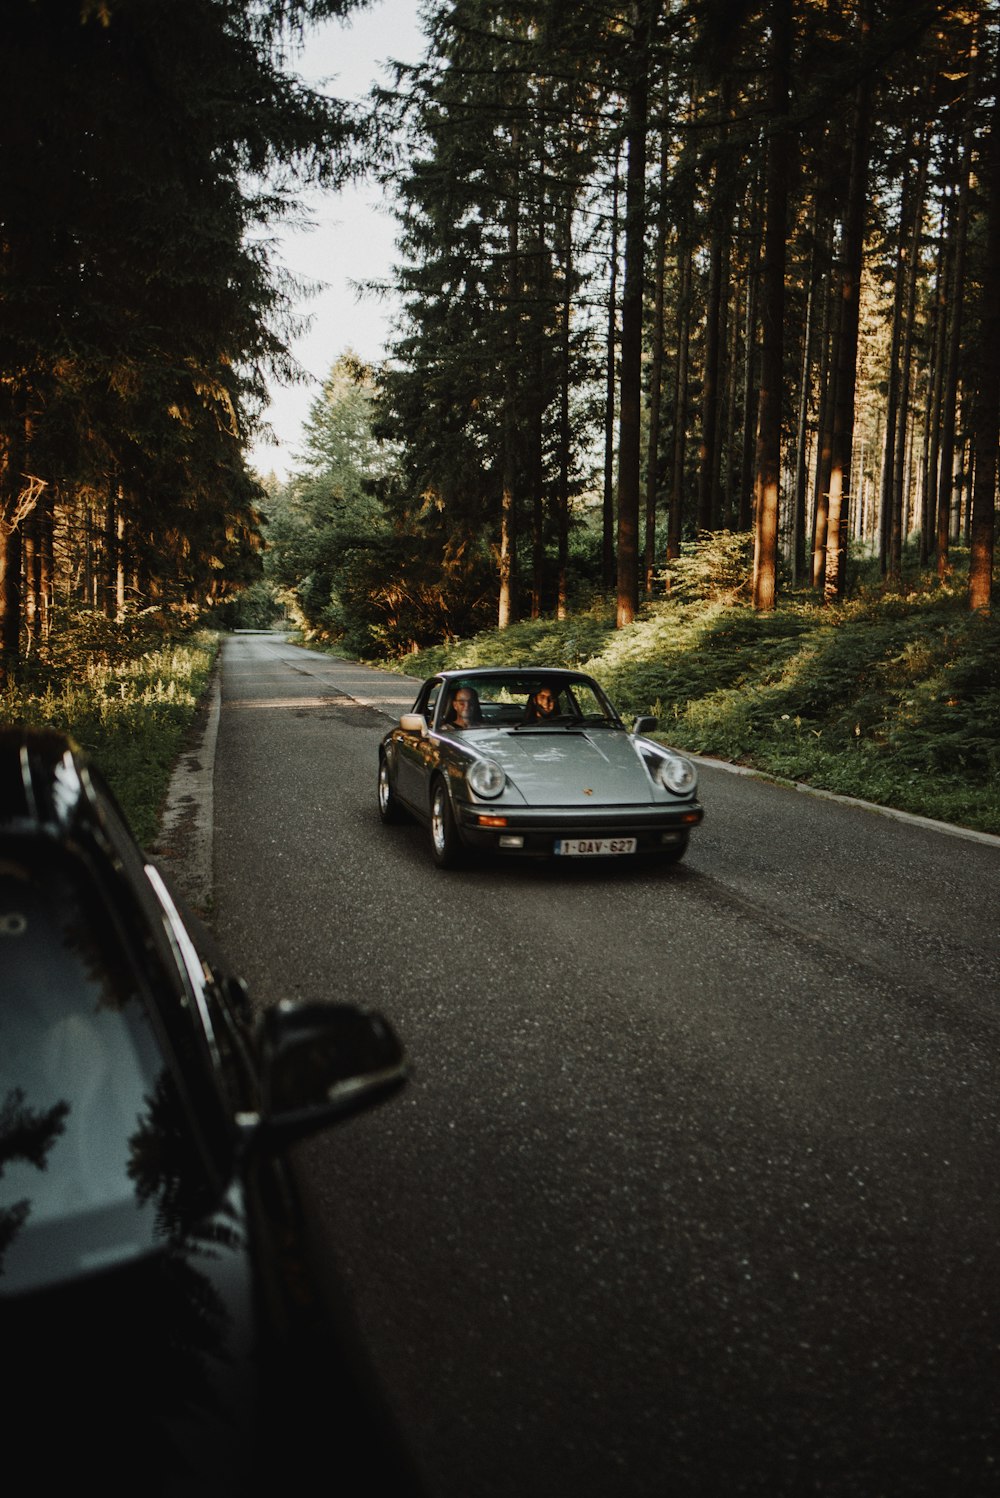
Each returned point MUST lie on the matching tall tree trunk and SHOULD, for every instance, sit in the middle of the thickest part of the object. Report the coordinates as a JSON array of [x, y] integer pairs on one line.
[[891, 407], [121, 559], [675, 523], [708, 455], [751, 388], [562, 600], [109, 580], [630, 416], [899, 507], [47, 569], [10, 601], [935, 382], [798, 548], [685, 263], [506, 609], [986, 416], [842, 434], [31, 577], [955, 305], [824, 419], [656, 367], [765, 555], [610, 386], [20, 492]]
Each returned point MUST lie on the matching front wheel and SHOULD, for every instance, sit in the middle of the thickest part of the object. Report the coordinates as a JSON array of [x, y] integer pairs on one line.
[[674, 854], [389, 808], [446, 846]]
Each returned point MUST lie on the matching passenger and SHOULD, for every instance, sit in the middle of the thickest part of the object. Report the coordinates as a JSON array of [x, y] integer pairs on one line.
[[541, 705], [464, 711]]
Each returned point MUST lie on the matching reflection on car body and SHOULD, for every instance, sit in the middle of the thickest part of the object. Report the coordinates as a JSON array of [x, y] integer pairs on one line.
[[161, 1324], [560, 776]]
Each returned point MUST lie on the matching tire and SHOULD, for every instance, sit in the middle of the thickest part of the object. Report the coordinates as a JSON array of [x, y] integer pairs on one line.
[[446, 846], [674, 854], [389, 808]]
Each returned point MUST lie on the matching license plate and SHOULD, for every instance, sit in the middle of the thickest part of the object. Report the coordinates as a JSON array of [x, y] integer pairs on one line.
[[594, 847]]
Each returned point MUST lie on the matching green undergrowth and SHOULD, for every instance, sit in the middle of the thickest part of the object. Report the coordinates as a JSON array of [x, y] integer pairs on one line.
[[893, 699], [130, 707]]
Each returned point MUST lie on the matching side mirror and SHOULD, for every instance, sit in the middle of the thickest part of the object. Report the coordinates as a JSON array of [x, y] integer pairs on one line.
[[323, 1062], [414, 723], [645, 725]]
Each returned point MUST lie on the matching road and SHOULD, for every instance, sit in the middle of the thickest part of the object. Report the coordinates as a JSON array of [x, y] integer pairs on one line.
[[694, 1190]]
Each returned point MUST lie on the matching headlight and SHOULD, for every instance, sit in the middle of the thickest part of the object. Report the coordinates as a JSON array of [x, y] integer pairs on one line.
[[675, 774], [486, 778]]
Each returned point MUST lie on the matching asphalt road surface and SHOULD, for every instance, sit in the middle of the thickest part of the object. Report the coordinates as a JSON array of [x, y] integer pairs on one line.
[[694, 1189]]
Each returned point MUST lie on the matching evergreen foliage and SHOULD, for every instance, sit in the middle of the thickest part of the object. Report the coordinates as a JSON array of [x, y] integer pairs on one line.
[[144, 144], [816, 273]]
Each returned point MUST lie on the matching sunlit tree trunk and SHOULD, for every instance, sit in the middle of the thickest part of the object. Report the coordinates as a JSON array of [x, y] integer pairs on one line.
[[751, 390], [630, 410], [849, 286], [766, 492], [31, 581], [19, 495], [10, 599], [935, 385], [562, 599], [656, 369], [46, 563], [891, 405], [798, 548], [986, 416], [506, 611], [708, 454], [680, 406], [824, 419], [954, 308], [911, 260], [610, 387]]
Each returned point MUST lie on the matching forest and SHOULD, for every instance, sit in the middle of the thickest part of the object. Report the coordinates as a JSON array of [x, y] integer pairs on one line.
[[666, 272], [146, 147]]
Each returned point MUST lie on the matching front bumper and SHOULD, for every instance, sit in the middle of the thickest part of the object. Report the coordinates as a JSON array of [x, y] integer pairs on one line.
[[534, 831]]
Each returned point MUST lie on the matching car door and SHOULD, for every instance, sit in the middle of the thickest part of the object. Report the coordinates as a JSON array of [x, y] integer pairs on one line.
[[416, 753]]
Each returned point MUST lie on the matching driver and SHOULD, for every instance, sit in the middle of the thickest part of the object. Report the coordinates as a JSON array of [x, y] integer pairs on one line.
[[464, 712], [541, 705]]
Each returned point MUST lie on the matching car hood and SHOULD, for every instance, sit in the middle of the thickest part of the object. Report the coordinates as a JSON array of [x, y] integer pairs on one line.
[[571, 767]]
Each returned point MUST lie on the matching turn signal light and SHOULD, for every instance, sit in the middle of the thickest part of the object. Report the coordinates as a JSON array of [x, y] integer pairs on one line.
[[485, 821]]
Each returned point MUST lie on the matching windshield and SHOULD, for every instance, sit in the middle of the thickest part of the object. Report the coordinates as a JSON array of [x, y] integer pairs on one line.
[[526, 700], [82, 1082]]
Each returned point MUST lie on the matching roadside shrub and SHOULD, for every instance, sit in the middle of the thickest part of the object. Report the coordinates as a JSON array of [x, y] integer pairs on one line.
[[717, 567], [130, 711]]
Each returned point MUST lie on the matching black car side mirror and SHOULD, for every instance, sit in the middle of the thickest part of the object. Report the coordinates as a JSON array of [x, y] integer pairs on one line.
[[323, 1062], [645, 725]]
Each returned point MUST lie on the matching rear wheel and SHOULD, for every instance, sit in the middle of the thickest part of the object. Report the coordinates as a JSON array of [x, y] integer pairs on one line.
[[446, 846], [389, 808]]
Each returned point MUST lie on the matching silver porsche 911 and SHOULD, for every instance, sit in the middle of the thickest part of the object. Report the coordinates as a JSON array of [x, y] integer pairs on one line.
[[533, 762]]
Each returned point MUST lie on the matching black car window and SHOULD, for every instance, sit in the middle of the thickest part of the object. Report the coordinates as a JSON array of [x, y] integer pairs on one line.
[[93, 1141]]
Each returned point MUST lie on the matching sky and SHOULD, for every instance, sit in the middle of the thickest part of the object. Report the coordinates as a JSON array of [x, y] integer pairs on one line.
[[353, 234]]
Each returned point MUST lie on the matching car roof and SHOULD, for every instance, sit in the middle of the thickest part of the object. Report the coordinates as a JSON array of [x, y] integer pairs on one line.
[[487, 673]]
